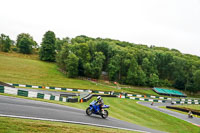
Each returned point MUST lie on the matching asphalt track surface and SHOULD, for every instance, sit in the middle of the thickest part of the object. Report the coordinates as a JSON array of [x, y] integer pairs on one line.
[[184, 117], [17, 107]]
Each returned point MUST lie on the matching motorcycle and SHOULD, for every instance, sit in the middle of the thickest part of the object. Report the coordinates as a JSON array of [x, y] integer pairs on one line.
[[95, 109], [190, 116]]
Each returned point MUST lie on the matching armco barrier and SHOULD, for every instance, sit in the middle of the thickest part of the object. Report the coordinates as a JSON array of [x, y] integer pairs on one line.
[[15, 91], [182, 101], [185, 110], [156, 100]]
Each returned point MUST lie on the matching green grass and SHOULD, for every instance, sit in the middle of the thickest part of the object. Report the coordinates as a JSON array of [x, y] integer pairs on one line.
[[16, 68], [141, 91], [16, 125], [129, 110]]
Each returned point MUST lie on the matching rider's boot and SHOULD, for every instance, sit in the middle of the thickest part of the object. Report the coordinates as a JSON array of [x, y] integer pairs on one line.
[[102, 111]]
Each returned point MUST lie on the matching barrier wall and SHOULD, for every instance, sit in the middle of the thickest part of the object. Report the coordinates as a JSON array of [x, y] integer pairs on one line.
[[32, 94], [182, 100]]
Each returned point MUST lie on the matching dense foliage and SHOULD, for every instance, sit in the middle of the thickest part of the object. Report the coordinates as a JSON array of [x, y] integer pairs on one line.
[[129, 63], [5, 43], [25, 43], [48, 47]]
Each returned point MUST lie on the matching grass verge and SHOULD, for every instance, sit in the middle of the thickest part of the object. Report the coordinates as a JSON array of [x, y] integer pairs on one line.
[[10, 125]]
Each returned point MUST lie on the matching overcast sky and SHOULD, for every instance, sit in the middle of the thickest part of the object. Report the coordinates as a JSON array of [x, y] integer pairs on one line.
[[167, 23]]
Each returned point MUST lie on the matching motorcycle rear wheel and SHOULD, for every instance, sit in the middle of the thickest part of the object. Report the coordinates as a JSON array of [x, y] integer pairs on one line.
[[105, 114], [88, 111]]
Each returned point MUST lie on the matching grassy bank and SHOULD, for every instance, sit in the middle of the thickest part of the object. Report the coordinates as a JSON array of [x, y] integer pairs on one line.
[[141, 91], [129, 110], [10, 125], [27, 69]]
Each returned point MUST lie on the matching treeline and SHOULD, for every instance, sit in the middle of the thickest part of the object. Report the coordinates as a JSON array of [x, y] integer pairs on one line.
[[24, 44], [125, 62], [130, 63]]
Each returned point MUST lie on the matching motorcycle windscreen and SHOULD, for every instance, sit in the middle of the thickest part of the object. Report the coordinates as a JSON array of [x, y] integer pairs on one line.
[[105, 106]]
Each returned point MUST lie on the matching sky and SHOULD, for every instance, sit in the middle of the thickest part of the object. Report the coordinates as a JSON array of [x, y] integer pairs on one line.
[[164, 23]]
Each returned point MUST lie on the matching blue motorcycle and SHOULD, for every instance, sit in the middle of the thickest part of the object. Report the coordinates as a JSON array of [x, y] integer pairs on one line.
[[95, 109]]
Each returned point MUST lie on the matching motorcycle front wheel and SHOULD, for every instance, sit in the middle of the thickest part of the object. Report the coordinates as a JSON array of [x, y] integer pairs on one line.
[[88, 111], [104, 114]]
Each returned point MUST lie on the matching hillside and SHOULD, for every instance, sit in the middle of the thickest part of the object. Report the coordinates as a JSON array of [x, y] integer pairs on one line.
[[27, 69]]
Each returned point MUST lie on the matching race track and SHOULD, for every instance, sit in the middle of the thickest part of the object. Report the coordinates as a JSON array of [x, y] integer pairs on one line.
[[17, 107], [184, 117]]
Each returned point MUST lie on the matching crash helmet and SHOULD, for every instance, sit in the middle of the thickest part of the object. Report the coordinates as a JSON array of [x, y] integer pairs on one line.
[[99, 98]]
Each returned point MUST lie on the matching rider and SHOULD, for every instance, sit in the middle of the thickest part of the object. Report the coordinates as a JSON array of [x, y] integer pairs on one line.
[[100, 101], [190, 115]]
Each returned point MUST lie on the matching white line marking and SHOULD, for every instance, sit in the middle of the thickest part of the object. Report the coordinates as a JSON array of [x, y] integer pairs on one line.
[[74, 122], [22, 85]]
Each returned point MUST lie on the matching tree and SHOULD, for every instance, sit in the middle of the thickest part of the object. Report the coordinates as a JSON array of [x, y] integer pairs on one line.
[[61, 42], [132, 73], [81, 50], [25, 43], [196, 81], [146, 66], [5, 43], [97, 64], [72, 65], [47, 51], [153, 80], [62, 55], [141, 77], [114, 67]]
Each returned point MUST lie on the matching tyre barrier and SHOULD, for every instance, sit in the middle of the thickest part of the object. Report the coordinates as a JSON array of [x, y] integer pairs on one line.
[[72, 100], [88, 97], [32, 94], [184, 110], [5, 84]]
